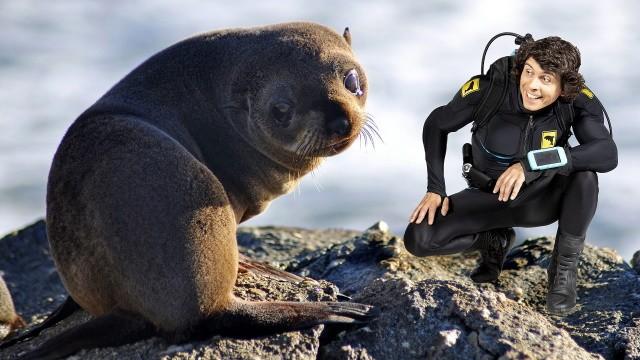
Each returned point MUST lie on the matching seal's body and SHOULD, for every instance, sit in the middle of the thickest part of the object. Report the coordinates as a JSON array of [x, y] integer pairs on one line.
[[9, 320], [148, 185]]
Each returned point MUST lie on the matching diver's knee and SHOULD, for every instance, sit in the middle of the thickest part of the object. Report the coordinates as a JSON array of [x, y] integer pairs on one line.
[[410, 239], [416, 240]]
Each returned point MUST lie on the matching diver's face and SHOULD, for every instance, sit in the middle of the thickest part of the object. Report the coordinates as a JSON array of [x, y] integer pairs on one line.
[[538, 87]]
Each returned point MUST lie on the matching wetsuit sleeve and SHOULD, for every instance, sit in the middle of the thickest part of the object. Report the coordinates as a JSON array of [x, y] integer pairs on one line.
[[597, 150], [443, 120], [529, 175]]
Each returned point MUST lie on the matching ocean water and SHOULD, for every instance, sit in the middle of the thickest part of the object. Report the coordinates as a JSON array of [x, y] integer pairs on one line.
[[57, 58]]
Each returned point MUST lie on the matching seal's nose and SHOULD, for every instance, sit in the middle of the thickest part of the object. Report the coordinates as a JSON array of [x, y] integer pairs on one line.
[[338, 126]]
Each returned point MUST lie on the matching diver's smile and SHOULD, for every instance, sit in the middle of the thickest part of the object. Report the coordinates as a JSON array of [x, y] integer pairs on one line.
[[533, 97]]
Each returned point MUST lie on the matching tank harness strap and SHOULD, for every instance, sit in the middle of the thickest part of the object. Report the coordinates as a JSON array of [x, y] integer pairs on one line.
[[565, 113], [498, 75]]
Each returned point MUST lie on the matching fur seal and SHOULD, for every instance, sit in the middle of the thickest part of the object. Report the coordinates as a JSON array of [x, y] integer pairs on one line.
[[9, 320], [148, 185]]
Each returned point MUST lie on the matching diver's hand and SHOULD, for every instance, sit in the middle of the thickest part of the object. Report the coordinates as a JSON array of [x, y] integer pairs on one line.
[[428, 206], [510, 182]]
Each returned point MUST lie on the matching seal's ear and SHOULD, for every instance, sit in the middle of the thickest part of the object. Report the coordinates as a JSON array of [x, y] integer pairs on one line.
[[347, 35]]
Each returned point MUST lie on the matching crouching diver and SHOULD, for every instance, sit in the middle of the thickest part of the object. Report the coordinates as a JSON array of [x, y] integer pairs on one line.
[[519, 166]]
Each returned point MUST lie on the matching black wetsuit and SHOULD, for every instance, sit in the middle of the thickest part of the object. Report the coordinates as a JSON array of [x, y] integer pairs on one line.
[[568, 194]]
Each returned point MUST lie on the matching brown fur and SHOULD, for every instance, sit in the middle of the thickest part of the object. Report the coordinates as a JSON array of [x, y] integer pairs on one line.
[[148, 185], [9, 320]]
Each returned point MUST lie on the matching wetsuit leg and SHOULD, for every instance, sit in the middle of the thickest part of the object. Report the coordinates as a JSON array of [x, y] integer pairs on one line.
[[571, 200], [540, 203], [579, 203], [472, 211]]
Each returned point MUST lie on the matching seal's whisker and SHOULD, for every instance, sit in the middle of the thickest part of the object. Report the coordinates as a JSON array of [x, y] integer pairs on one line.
[[362, 135], [371, 132], [301, 148], [305, 150], [296, 154], [308, 147], [373, 144], [297, 150], [318, 140], [298, 188], [370, 119], [368, 135], [316, 184], [302, 143], [377, 134], [371, 126]]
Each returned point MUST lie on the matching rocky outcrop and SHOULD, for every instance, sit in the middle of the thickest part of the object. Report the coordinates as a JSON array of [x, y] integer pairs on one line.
[[429, 307], [635, 261]]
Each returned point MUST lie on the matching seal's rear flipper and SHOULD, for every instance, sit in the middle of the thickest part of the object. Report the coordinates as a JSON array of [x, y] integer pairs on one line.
[[248, 319], [248, 265], [62, 312], [108, 330]]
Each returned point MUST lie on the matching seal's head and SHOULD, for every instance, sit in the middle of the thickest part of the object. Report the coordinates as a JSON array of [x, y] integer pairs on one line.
[[305, 95]]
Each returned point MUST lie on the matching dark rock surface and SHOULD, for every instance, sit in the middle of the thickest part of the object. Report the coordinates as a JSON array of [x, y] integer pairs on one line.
[[429, 307]]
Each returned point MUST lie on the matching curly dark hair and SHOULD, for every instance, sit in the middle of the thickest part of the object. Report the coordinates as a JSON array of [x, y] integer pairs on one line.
[[557, 56]]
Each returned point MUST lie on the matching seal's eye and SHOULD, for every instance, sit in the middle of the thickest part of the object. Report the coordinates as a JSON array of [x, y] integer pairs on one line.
[[352, 82]]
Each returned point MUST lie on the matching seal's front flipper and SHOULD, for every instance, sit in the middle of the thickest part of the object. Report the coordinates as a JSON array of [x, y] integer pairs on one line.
[[247, 265], [62, 312], [248, 319], [108, 330]]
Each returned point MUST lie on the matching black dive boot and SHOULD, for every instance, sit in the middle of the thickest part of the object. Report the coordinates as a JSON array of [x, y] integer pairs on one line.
[[562, 273], [494, 246]]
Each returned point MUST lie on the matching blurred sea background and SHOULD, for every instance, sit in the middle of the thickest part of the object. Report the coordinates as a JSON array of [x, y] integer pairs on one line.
[[58, 57]]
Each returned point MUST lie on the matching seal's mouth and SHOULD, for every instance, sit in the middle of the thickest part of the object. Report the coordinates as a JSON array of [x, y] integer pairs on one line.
[[339, 146], [366, 130]]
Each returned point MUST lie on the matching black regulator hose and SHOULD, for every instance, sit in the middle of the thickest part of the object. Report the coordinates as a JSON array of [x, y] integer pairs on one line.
[[607, 116], [519, 40]]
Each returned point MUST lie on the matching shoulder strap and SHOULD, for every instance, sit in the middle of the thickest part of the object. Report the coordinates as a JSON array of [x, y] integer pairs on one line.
[[498, 75], [565, 113]]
